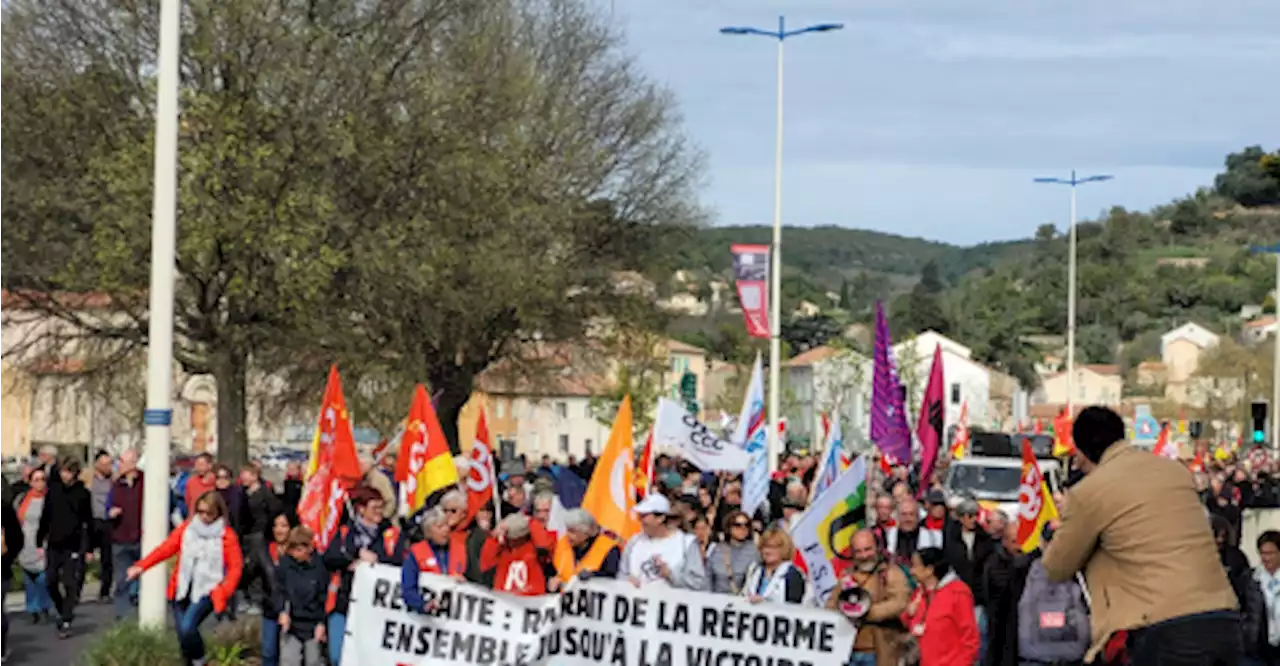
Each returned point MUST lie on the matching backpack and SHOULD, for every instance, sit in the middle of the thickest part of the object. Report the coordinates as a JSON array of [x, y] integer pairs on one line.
[[1053, 619]]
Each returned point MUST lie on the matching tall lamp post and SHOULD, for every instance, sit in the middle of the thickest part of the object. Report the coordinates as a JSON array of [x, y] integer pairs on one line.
[[775, 270], [1074, 181], [159, 414], [1274, 412]]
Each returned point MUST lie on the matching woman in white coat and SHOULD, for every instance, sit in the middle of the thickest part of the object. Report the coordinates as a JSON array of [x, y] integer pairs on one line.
[[775, 578]]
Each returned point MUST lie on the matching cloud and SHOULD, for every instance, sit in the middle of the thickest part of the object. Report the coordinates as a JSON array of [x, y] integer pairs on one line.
[[931, 116]]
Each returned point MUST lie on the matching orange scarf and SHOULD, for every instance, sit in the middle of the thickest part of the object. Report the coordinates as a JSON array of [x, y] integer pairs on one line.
[[26, 499]]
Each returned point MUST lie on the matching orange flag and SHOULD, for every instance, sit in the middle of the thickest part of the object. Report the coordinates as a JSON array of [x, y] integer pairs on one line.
[[1035, 504], [644, 468], [960, 447], [481, 478], [611, 495], [425, 464], [1063, 444], [333, 468]]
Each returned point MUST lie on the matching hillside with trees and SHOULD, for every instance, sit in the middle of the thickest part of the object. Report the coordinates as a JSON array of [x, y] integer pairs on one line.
[[1140, 274]]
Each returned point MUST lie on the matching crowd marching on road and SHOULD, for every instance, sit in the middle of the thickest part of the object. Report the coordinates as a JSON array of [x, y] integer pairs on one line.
[[1143, 566]]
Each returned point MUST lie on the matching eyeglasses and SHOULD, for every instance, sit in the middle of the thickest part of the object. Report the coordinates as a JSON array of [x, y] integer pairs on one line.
[[206, 512], [742, 525]]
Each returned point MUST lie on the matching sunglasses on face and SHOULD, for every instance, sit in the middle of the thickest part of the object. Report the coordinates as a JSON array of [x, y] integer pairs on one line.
[[206, 512], [742, 524]]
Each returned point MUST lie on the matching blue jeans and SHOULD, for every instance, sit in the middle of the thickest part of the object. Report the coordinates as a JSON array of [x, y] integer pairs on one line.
[[862, 659], [187, 617], [38, 600], [980, 614], [270, 641], [336, 627], [123, 556]]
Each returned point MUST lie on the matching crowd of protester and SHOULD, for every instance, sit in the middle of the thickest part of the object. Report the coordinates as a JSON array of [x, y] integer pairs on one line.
[[931, 580]]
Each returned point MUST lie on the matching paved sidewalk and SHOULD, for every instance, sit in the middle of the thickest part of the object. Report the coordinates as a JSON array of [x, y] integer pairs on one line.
[[39, 643]]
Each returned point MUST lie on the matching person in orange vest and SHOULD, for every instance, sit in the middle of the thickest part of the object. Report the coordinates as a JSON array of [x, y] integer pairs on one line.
[[582, 551], [438, 553], [517, 564]]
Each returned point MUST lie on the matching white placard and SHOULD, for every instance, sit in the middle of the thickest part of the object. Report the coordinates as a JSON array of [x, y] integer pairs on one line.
[[599, 622]]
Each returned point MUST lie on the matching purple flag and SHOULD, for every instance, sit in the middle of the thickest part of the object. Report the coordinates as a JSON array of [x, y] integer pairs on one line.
[[888, 415]]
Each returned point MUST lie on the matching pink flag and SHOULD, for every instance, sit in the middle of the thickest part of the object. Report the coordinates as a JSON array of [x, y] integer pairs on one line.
[[931, 422]]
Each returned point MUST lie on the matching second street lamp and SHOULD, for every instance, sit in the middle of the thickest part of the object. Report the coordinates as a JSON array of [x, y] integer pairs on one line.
[[775, 254], [1074, 181]]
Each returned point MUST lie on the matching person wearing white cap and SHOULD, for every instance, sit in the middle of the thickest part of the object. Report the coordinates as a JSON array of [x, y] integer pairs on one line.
[[661, 555]]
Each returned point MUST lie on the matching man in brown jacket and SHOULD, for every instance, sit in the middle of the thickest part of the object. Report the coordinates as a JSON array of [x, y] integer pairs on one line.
[[1135, 526], [880, 632]]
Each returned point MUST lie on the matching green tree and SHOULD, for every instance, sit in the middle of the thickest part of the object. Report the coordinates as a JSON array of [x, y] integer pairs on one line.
[[1250, 178], [924, 305]]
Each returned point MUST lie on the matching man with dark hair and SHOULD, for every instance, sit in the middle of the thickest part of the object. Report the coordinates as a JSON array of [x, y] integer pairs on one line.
[[1136, 527]]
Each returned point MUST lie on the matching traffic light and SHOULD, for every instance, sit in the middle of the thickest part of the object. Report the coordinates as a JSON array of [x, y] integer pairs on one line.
[[1259, 412]]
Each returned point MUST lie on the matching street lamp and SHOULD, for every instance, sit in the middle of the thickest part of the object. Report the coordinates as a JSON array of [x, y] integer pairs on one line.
[[1074, 181], [159, 414], [1275, 359], [775, 270]]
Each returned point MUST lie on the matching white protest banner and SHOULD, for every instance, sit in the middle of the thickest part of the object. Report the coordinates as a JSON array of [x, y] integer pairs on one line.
[[696, 443], [597, 622], [824, 533]]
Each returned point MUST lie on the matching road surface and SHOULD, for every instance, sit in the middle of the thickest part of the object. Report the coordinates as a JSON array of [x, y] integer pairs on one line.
[[39, 644]]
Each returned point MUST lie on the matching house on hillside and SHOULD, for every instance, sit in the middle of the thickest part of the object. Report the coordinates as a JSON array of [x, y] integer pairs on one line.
[[1181, 351], [824, 380], [1093, 385], [967, 382], [1259, 330]]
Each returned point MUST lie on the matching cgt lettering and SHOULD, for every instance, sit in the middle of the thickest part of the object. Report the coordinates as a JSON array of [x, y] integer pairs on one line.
[[701, 437]]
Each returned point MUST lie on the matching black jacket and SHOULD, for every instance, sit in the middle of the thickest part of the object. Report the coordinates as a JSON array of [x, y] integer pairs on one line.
[[968, 567], [301, 588], [14, 539], [290, 495], [68, 513], [258, 510], [343, 550], [268, 567], [1003, 579]]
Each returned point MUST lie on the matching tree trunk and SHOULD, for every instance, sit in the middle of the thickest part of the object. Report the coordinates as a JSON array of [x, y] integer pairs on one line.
[[230, 371], [451, 386]]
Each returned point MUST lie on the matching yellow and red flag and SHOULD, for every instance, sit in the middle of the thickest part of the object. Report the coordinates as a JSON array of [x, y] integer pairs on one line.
[[1063, 444], [333, 468], [960, 447], [644, 468], [481, 478], [1035, 504], [425, 463], [611, 494]]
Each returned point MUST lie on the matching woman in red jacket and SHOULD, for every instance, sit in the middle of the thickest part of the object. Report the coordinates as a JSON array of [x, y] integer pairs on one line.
[[941, 615], [208, 571], [519, 566]]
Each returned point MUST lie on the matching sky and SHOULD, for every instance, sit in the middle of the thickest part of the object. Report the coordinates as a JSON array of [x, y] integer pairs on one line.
[[930, 118]]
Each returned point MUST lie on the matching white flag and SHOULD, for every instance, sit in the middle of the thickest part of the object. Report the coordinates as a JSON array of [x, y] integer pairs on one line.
[[698, 444]]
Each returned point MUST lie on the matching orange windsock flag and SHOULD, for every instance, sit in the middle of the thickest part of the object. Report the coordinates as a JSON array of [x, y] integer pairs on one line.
[[611, 495], [1035, 504], [333, 468], [425, 463]]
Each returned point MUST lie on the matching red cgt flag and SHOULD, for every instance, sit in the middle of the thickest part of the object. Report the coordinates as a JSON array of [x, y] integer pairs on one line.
[[480, 480], [644, 468], [333, 469]]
